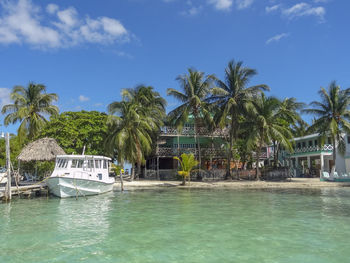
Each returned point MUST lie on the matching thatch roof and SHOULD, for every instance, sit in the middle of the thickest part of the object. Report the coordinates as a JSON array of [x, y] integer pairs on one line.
[[44, 149]]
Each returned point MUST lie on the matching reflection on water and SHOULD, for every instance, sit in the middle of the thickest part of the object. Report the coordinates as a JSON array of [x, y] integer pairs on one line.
[[180, 225], [83, 218]]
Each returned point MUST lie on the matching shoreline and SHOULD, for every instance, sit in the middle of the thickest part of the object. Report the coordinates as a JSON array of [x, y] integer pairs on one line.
[[294, 183]]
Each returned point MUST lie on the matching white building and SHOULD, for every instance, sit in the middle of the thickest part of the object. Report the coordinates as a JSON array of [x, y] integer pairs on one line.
[[311, 157]]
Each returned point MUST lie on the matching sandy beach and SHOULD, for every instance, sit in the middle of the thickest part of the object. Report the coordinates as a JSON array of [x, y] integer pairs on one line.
[[295, 183]]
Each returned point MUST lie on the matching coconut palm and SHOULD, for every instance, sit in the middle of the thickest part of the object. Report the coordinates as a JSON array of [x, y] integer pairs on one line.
[[150, 103], [195, 89], [187, 162], [142, 108], [263, 125], [332, 116], [31, 106], [288, 114], [300, 128], [232, 96], [129, 133]]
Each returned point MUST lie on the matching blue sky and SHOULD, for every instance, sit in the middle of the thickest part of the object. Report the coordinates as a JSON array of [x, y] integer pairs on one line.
[[87, 51]]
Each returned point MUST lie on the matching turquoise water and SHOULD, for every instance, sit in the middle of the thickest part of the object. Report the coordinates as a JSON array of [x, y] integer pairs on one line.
[[180, 225]]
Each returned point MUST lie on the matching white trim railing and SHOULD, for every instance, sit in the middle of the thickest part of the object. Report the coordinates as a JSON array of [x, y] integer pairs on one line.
[[324, 148]]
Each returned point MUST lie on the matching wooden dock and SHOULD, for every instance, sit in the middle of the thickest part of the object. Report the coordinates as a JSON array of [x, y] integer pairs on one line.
[[26, 190]]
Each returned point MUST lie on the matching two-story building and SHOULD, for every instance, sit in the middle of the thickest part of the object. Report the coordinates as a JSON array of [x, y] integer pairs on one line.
[[311, 156], [172, 142]]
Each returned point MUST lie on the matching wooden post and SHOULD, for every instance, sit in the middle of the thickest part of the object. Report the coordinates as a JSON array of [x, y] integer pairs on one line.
[[121, 181], [8, 166], [158, 168]]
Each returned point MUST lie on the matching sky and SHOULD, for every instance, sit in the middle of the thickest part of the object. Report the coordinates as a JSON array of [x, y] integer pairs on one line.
[[86, 51]]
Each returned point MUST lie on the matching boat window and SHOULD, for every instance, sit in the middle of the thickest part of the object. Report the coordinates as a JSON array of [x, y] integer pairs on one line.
[[74, 163], [97, 164], [100, 163], [90, 163], [80, 163], [62, 163], [100, 176], [104, 164]]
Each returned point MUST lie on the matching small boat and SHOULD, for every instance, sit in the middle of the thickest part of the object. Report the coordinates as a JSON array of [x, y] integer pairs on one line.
[[3, 176], [80, 175]]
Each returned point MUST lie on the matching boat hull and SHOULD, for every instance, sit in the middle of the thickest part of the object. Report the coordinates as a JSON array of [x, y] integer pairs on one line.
[[72, 187]]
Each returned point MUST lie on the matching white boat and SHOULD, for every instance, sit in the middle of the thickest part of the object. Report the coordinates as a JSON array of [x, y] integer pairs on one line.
[[80, 175], [3, 176]]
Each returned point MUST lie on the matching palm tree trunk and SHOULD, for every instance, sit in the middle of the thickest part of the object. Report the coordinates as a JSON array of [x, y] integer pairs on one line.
[[228, 173], [257, 160], [132, 172], [334, 156], [197, 142], [138, 170]]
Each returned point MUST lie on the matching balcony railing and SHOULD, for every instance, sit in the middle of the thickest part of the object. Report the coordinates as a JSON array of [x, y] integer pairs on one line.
[[324, 148], [208, 152], [189, 131]]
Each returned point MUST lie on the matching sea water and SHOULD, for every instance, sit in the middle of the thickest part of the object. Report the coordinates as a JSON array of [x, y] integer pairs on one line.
[[180, 225]]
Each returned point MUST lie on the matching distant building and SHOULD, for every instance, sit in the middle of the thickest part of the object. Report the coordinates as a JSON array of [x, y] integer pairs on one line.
[[171, 142], [310, 156]]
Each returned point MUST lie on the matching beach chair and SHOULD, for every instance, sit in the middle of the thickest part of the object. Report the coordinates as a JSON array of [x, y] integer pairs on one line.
[[29, 177]]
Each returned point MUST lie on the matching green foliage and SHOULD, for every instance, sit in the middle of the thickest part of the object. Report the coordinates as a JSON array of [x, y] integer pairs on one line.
[[30, 105], [187, 162], [133, 124], [15, 149], [195, 89], [73, 130], [233, 97], [333, 115], [264, 125]]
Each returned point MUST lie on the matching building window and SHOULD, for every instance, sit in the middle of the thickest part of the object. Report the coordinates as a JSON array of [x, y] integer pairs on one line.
[[316, 143], [348, 139], [329, 140], [299, 146], [310, 143], [304, 144]]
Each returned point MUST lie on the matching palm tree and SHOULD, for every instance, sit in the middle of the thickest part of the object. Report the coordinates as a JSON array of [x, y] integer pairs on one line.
[[263, 125], [333, 116], [288, 114], [150, 103], [30, 106], [300, 128], [195, 89], [232, 97], [129, 133], [142, 108], [187, 162]]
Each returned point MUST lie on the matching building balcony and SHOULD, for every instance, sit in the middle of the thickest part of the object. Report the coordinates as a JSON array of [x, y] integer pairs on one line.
[[189, 131], [205, 152]]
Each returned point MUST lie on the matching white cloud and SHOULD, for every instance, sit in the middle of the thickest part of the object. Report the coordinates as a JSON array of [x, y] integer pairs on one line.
[[4, 96], [242, 4], [82, 98], [52, 8], [24, 22], [221, 4], [270, 9], [304, 9], [276, 38]]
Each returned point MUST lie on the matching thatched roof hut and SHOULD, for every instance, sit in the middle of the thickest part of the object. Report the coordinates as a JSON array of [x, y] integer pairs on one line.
[[45, 149]]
